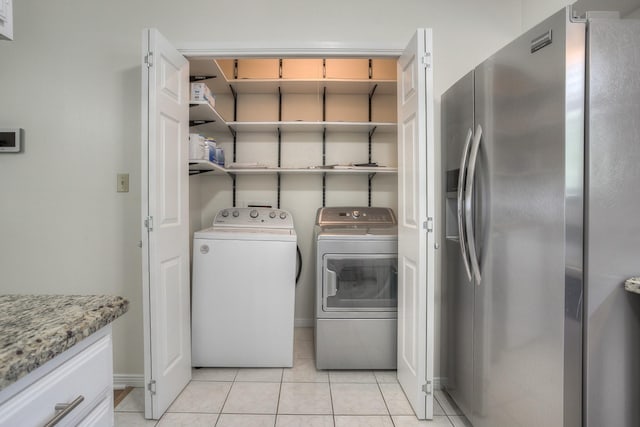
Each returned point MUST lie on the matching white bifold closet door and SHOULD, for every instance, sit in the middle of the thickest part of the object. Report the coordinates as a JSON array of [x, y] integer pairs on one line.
[[165, 213], [416, 237]]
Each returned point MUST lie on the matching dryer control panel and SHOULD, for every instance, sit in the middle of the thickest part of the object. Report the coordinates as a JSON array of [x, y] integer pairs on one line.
[[253, 217], [356, 216]]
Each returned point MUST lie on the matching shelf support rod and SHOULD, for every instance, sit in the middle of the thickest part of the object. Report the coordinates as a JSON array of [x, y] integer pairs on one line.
[[370, 135], [324, 146], [279, 159], [324, 189], [324, 104], [279, 147], [371, 93], [324, 163], [371, 175], [279, 104], [235, 102], [233, 180], [278, 207]]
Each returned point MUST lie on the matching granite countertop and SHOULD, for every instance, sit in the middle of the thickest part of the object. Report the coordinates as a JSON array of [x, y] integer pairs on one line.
[[633, 285], [36, 328]]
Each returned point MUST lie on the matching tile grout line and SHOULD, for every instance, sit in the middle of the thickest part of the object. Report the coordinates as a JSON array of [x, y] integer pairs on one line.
[[275, 419], [226, 398], [384, 400], [333, 412]]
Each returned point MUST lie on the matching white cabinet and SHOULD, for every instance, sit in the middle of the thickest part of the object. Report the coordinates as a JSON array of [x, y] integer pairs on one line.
[[81, 377], [6, 19]]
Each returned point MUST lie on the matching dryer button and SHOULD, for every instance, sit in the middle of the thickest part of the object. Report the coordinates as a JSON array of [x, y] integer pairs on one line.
[[283, 215], [236, 214], [272, 214], [225, 213], [253, 214]]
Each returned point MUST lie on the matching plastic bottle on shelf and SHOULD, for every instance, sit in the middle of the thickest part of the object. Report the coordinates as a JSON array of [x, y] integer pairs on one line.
[[219, 156], [211, 145]]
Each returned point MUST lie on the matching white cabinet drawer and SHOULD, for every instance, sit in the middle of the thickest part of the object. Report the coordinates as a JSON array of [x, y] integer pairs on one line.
[[87, 374]]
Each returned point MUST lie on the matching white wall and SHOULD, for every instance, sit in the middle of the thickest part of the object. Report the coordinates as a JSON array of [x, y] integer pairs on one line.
[[71, 79]]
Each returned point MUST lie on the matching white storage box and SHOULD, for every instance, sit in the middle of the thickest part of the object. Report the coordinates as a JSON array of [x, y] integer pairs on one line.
[[196, 147], [201, 92]]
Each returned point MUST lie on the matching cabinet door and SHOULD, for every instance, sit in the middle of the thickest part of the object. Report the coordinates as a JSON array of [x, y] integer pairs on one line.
[[165, 200], [416, 239]]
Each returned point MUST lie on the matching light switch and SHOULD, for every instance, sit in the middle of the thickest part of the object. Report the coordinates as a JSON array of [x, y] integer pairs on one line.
[[123, 183]]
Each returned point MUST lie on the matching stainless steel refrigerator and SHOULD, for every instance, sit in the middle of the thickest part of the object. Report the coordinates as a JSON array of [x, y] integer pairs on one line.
[[541, 146]]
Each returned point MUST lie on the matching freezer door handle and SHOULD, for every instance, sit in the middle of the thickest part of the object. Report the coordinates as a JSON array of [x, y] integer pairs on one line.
[[468, 204], [461, 226]]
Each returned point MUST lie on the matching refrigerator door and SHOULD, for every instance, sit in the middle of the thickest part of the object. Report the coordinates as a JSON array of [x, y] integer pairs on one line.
[[612, 315], [457, 125], [527, 102]]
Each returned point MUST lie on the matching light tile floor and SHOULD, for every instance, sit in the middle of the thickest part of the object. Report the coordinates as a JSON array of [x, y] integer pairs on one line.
[[300, 396]]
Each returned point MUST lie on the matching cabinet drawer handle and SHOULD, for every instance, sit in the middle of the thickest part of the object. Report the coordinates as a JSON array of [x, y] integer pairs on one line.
[[64, 410]]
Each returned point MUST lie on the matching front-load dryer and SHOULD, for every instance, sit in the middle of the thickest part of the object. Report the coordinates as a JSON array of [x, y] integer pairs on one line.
[[356, 288], [244, 290]]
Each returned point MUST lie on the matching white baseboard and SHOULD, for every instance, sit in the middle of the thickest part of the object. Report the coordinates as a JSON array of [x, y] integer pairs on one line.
[[121, 381], [303, 323]]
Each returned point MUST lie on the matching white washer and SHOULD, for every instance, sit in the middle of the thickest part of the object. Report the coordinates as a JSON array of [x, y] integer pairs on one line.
[[244, 290]]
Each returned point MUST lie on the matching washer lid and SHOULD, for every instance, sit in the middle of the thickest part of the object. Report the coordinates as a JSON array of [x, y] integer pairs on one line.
[[255, 234]]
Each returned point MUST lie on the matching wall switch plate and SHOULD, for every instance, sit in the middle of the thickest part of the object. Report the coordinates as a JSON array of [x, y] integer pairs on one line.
[[123, 183]]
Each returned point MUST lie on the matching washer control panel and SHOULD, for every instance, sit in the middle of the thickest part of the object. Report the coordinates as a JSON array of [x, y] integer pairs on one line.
[[253, 217]]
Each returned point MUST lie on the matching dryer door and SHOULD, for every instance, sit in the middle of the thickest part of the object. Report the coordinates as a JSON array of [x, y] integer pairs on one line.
[[354, 282]]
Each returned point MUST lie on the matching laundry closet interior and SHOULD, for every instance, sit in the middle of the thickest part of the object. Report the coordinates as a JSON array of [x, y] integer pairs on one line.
[[298, 134]]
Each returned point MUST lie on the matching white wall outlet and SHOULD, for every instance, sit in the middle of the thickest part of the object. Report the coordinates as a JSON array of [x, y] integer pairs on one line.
[[123, 183]]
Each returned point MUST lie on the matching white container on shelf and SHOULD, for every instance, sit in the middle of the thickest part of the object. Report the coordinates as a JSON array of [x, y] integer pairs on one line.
[[196, 147], [201, 92]]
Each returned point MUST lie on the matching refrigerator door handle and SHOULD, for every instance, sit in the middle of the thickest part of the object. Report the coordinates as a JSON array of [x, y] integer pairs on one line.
[[468, 204], [461, 226]]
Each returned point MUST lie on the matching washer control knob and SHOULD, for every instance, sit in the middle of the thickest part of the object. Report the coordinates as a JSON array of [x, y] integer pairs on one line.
[[225, 213], [236, 214], [272, 214], [253, 214], [356, 214], [283, 215]]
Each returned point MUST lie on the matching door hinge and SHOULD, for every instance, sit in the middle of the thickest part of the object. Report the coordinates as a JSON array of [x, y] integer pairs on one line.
[[428, 225], [426, 60], [148, 59], [148, 222], [152, 386], [427, 388]]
